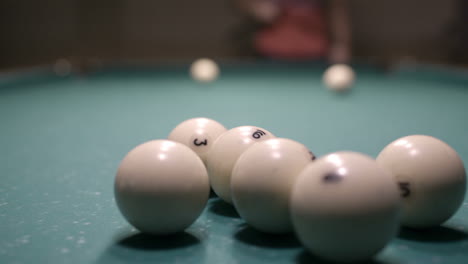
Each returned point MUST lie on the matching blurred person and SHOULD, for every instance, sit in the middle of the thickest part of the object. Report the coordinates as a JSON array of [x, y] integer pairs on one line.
[[300, 29]]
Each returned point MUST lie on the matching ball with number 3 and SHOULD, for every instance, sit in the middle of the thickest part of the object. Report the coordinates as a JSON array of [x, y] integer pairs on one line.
[[198, 134]]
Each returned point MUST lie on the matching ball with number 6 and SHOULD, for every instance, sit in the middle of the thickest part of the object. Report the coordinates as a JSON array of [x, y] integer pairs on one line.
[[225, 152], [431, 177], [198, 134], [262, 180]]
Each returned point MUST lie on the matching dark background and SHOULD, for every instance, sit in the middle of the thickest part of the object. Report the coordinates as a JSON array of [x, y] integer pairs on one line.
[[155, 31]]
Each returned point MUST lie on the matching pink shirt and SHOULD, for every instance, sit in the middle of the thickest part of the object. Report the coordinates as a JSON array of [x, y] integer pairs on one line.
[[300, 32]]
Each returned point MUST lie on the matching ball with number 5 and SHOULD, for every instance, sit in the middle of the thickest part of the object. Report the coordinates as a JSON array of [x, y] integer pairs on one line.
[[198, 134], [431, 177], [225, 152]]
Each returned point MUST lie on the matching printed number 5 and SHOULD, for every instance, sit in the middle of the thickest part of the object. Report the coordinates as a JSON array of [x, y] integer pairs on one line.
[[405, 189]]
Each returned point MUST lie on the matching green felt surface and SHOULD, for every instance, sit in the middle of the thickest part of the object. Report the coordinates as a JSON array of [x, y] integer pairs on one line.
[[61, 140]]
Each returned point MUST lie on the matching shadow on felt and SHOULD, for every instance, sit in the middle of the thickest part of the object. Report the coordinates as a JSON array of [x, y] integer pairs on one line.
[[212, 194], [220, 207], [304, 257], [251, 236], [435, 234], [135, 247], [144, 241]]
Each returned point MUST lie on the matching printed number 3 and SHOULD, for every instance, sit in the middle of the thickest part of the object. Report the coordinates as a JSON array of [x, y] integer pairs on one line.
[[202, 143]]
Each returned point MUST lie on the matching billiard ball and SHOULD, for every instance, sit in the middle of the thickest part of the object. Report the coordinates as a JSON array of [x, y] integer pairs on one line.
[[225, 152], [198, 134], [262, 179], [345, 207], [62, 67], [161, 187], [339, 77], [204, 70], [431, 177]]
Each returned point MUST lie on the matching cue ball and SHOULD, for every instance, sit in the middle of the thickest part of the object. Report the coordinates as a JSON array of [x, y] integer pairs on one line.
[[339, 77], [225, 152], [161, 187], [198, 134], [431, 177], [262, 180], [204, 70], [345, 207]]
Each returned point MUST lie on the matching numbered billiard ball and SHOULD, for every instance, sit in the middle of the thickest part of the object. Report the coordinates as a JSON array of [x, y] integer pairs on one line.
[[431, 177], [161, 187], [339, 77], [345, 207], [262, 179], [204, 70], [198, 134], [225, 152]]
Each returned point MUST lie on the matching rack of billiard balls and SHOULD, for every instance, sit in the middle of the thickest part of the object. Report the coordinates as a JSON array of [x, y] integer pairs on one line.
[[278, 186]]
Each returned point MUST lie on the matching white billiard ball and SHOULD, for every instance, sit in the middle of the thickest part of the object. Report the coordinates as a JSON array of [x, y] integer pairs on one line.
[[431, 177], [62, 67], [339, 77], [161, 187], [204, 70], [198, 134], [345, 207], [225, 152], [262, 180]]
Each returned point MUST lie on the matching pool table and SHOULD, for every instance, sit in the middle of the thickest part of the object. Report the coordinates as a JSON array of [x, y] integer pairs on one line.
[[63, 137]]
